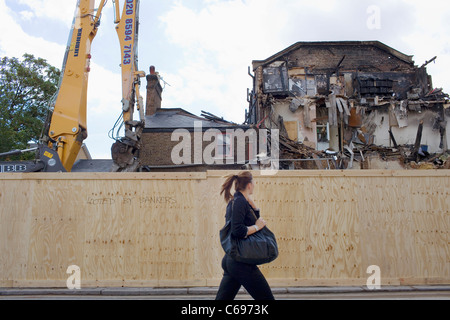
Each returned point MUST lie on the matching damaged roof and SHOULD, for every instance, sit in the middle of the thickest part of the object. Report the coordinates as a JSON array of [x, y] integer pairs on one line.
[[170, 119], [403, 57]]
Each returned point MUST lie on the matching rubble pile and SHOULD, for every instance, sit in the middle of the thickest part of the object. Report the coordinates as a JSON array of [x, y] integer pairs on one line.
[[369, 106], [406, 157], [297, 156]]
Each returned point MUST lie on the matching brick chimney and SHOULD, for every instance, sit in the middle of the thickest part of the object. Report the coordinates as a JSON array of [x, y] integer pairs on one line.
[[154, 93]]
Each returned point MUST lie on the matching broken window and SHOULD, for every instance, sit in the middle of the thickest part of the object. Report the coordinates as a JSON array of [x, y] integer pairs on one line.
[[323, 129], [322, 84], [303, 87], [276, 79], [323, 137], [376, 87]]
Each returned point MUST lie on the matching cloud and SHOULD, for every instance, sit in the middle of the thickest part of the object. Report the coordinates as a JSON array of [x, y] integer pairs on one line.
[[218, 43], [51, 9], [26, 15], [104, 90], [15, 42], [226, 27], [221, 38], [103, 108], [429, 37]]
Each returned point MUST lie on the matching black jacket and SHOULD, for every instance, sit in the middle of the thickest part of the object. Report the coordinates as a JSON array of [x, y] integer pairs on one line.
[[241, 217]]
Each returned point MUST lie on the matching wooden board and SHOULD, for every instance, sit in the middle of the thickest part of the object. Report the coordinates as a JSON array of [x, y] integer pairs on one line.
[[292, 129], [161, 230]]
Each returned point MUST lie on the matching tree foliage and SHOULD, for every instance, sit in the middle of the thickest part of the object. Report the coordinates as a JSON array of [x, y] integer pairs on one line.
[[26, 89]]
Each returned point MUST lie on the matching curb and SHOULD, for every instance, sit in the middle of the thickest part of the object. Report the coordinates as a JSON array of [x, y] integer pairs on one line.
[[206, 291]]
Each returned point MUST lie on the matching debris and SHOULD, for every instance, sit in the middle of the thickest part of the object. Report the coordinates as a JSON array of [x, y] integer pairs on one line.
[[428, 62], [291, 152], [422, 165], [415, 153], [393, 139], [352, 97], [212, 117], [295, 104]]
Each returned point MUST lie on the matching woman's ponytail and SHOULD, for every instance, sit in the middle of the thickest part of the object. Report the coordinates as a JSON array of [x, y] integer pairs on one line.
[[226, 187], [242, 180]]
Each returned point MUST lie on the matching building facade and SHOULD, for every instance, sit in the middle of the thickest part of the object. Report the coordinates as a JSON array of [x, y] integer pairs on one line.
[[349, 95], [177, 140]]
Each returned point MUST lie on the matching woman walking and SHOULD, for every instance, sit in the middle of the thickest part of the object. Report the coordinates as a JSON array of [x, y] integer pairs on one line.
[[237, 274]]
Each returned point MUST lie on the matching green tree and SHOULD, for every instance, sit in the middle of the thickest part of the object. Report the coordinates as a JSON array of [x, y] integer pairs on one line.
[[26, 89]]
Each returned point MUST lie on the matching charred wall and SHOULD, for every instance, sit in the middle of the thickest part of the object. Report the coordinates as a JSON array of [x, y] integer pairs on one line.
[[347, 96]]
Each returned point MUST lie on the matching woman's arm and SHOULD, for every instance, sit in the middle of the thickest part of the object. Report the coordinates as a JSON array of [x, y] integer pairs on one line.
[[238, 228], [260, 224]]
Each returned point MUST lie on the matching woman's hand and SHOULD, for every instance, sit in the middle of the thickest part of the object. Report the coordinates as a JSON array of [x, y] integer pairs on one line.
[[260, 224]]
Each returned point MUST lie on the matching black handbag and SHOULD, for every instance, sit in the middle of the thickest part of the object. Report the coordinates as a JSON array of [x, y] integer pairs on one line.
[[258, 248]]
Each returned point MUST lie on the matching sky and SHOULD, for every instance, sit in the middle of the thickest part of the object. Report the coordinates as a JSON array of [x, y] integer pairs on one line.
[[203, 48]]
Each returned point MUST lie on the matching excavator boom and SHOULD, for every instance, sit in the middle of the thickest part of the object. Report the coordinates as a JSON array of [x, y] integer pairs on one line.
[[125, 151], [67, 128]]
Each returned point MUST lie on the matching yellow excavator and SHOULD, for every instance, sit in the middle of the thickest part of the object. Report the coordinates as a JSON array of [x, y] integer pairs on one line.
[[66, 127]]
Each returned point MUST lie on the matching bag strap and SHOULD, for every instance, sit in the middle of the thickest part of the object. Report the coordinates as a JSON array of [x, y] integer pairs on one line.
[[254, 214], [251, 210]]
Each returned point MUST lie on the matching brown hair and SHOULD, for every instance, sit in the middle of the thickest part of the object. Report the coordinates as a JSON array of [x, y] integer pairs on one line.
[[242, 180]]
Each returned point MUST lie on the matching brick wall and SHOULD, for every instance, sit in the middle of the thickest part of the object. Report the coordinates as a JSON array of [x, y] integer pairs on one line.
[[367, 58], [157, 149]]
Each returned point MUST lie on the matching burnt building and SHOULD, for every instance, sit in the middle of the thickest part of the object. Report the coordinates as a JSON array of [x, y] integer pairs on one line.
[[347, 96]]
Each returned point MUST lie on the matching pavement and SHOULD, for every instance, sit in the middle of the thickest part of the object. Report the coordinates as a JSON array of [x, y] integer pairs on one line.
[[439, 292]]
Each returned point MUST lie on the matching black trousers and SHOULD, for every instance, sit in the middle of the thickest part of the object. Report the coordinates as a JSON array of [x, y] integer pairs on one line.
[[238, 274]]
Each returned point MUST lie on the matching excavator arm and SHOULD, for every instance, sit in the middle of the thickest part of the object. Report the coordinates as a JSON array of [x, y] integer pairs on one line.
[[67, 127], [125, 152]]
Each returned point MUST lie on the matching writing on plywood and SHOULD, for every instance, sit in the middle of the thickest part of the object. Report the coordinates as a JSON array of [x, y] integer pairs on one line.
[[144, 201]]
